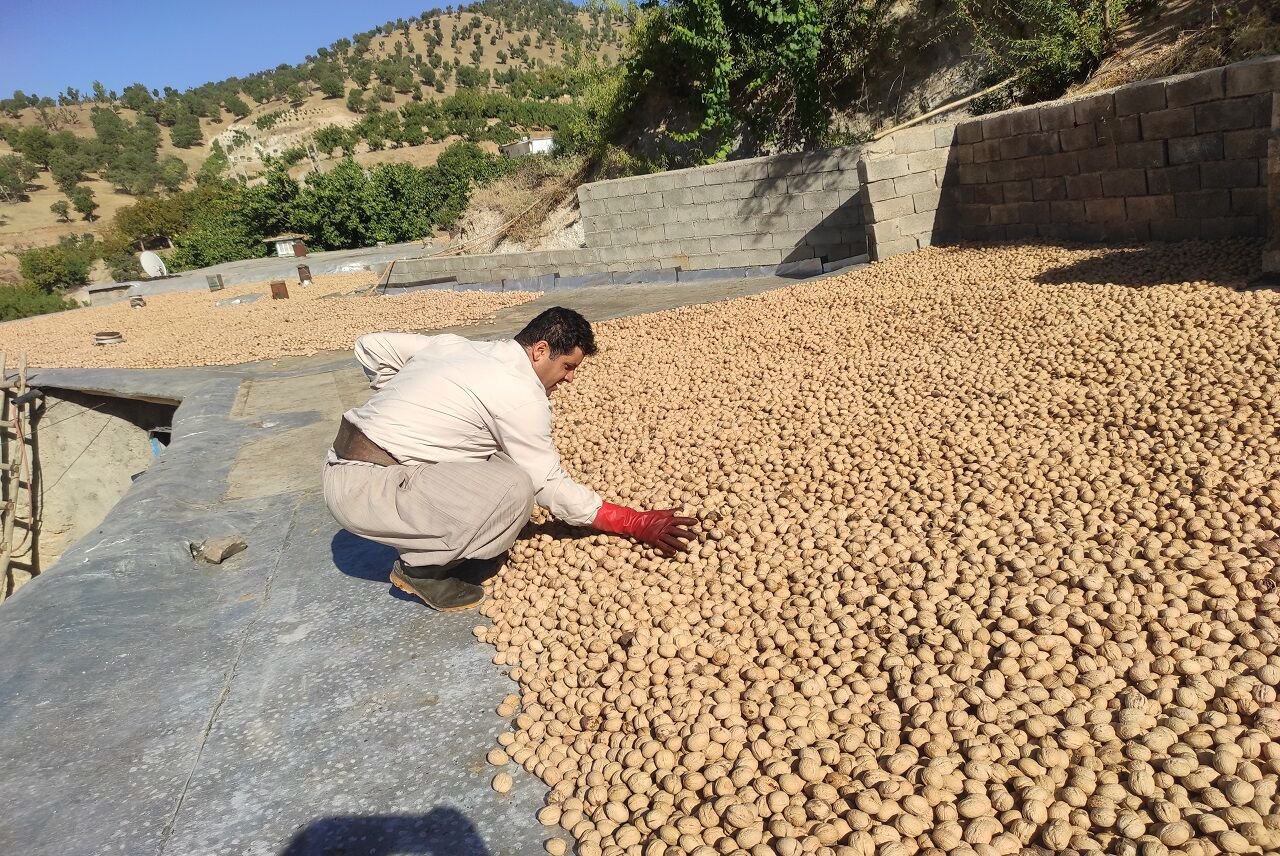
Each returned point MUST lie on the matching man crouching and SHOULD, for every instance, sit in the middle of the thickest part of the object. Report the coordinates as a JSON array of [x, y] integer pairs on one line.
[[446, 459]]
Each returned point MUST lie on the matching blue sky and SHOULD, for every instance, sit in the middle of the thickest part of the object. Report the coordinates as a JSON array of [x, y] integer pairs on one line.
[[47, 45]]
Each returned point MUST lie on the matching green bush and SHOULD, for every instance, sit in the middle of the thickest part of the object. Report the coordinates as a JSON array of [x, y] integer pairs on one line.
[[24, 301], [59, 265]]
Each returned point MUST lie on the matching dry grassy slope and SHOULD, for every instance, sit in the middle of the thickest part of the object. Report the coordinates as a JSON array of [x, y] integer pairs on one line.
[[31, 223]]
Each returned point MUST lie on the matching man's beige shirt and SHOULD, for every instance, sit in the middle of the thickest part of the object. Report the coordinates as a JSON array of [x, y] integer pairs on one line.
[[446, 398]]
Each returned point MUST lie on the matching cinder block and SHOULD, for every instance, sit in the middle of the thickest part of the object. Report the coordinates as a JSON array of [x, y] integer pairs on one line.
[[1059, 116], [1121, 129], [1017, 191], [1233, 114], [823, 200], [1003, 215], [805, 182], [1144, 97], [805, 219], [891, 209], [622, 204], [895, 247], [1012, 148], [917, 182], [969, 132], [634, 219], [931, 159], [1240, 173], [970, 173], [1067, 212], [1020, 232], [1067, 163], [1249, 201], [986, 151], [677, 196], [662, 216], [1124, 182], [1098, 160], [1078, 138], [1253, 76], [1104, 210], [944, 136], [1197, 149], [789, 239], [1094, 107], [740, 190], [696, 213], [762, 240], [1202, 203], [1250, 143], [1163, 124], [650, 234], [780, 166], [1149, 207], [914, 224], [916, 139], [878, 190], [1174, 179], [927, 200], [1196, 88], [1175, 230], [586, 280], [976, 214], [1145, 155], [1027, 168], [1049, 189], [874, 170], [1230, 227], [882, 232], [1020, 120], [988, 194], [841, 179], [707, 193], [1001, 170]]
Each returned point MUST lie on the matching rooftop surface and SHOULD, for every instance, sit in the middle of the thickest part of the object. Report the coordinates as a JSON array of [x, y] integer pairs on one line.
[[287, 701]]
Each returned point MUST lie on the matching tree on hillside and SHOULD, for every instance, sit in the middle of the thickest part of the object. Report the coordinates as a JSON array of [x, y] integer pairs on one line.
[[99, 92], [66, 168], [35, 144], [331, 86], [63, 264], [135, 96], [355, 100], [15, 173], [236, 106], [173, 172], [82, 200], [185, 133], [62, 209]]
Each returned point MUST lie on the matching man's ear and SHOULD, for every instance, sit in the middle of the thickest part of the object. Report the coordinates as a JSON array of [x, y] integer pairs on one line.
[[541, 350]]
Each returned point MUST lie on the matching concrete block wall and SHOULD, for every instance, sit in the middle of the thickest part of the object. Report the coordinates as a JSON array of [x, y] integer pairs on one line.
[[761, 211], [902, 177], [1169, 159]]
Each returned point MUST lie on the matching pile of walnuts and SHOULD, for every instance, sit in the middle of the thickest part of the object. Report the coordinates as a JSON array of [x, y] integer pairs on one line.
[[988, 566]]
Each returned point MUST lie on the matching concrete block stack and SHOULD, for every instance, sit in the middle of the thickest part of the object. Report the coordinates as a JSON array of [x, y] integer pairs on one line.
[[902, 177], [1171, 159], [761, 211]]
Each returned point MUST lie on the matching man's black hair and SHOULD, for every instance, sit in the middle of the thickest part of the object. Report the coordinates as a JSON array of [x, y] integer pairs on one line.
[[562, 329]]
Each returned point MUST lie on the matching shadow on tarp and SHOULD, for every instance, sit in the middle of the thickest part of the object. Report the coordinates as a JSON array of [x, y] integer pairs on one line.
[[1156, 264], [442, 831], [368, 560]]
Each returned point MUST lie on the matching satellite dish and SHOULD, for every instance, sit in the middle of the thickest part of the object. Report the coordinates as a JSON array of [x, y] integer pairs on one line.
[[152, 264]]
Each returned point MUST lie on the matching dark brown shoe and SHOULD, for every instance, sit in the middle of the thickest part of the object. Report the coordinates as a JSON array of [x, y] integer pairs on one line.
[[436, 589]]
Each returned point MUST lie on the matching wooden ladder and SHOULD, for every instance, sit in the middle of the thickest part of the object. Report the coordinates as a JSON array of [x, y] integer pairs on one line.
[[18, 466]]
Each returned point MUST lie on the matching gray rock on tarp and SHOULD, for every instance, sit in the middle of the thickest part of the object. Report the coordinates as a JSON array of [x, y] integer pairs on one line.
[[218, 550]]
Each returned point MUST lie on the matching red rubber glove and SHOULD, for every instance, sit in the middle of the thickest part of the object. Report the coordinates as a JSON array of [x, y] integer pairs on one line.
[[660, 528]]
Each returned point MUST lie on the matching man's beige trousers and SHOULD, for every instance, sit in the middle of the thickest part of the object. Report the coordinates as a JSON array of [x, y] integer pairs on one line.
[[434, 514]]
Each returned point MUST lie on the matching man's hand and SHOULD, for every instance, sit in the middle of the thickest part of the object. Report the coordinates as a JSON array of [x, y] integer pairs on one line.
[[661, 528]]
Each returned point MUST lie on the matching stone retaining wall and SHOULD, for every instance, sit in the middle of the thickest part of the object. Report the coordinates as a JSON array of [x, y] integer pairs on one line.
[[1170, 159], [761, 211]]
